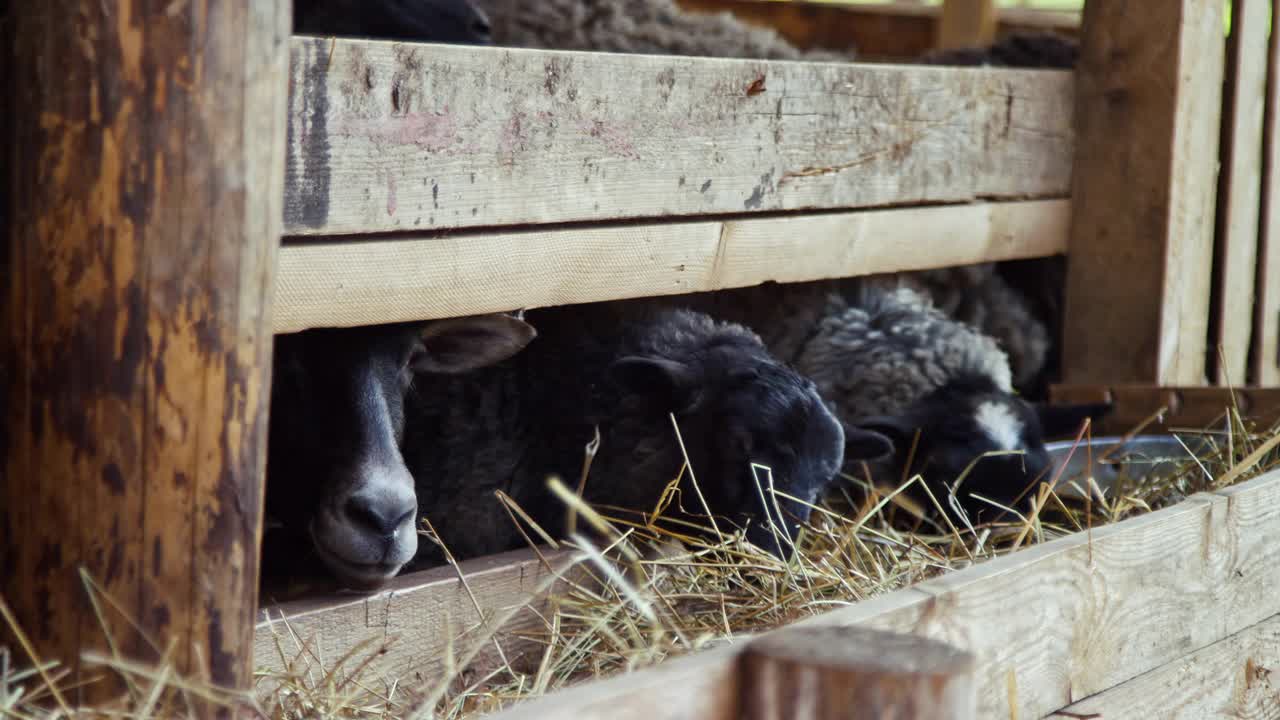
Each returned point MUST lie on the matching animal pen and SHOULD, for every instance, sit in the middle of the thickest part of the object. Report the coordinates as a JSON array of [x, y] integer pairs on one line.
[[145, 278]]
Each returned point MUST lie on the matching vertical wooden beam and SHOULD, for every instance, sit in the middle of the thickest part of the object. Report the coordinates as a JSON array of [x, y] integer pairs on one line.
[[1148, 102], [966, 23], [145, 195], [831, 673], [1240, 185], [1264, 357]]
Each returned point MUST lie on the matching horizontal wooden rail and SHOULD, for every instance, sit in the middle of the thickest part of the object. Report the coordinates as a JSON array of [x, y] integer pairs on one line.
[[881, 31], [1049, 625], [361, 282], [1191, 407], [418, 619], [1230, 679], [400, 137]]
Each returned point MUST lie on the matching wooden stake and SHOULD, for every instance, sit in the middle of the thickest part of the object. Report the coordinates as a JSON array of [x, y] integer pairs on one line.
[[966, 24], [830, 673], [145, 191], [1148, 102]]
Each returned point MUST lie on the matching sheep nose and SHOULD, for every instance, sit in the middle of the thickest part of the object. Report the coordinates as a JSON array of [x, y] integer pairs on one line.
[[380, 514]]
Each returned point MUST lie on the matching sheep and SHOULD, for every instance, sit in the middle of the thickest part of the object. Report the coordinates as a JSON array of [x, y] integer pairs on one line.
[[890, 361], [340, 499], [885, 358], [442, 21], [658, 27], [511, 426]]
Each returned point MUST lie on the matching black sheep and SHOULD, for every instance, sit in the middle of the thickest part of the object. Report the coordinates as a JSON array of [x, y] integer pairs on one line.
[[512, 426]]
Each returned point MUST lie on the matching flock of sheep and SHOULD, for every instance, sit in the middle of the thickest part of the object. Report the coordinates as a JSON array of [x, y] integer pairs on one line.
[[774, 390]]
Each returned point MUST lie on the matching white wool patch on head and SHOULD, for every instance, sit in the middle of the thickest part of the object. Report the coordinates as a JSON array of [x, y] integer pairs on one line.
[[1000, 424]]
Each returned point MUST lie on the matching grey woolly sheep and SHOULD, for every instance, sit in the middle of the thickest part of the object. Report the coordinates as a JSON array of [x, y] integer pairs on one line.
[[656, 27], [511, 426], [889, 361]]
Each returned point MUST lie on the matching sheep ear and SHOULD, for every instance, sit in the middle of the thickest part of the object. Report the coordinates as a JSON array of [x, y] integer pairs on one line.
[[868, 445], [457, 345], [670, 384], [1058, 420]]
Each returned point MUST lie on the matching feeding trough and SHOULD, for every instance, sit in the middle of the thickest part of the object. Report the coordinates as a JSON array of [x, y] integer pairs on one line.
[[1113, 460]]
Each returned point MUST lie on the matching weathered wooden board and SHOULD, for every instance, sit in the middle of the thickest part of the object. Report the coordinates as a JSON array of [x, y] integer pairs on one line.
[[399, 137], [146, 183], [1240, 191], [413, 625], [1265, 359], [1228, 680], [1149, 87], [1049, 625], [375, 281]]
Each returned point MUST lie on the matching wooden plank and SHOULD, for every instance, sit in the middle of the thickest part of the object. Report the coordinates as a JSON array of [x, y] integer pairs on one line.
[[412, 625], [1265, 353], [1056, 622], [966, 24], [349, 283], [1149, 88], [809, 673], [1228, 680], [1186, 406], [401, 137], [897, 31], [1240, 187], [146, 199]]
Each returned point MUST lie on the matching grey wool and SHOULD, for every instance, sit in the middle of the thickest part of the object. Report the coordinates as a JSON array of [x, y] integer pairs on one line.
[[882, 349], [979, 296], [655, 27]]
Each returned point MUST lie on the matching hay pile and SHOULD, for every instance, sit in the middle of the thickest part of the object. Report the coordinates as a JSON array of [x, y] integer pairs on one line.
[[654, 590]]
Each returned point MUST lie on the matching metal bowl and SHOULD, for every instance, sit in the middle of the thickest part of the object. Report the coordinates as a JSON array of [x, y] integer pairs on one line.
[[1143, 455]]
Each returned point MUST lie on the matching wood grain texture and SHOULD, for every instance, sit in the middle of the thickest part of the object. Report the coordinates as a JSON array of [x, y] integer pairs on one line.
[[401, 137], [145, 194], [1229, 680], [1149, 88], [1239, 193], [812, 673], [966, 24], [899, 31], [1048, 625], [1265, 351], [417, 620], [357, 282], [1186, 406]]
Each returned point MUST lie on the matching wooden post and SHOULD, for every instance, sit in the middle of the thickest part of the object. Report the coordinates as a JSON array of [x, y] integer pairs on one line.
[[1264, 359], [832, 673], [1148, 102], [966, 24], [1240, 189], [145, 195]]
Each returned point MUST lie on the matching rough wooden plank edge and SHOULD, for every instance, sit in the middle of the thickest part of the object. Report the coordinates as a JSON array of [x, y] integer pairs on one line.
[[367, 282], [1239, 193], [420, 616], [1187, 406], [1229, 679], [407, 137], [1066, 619], [1264, 352]]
